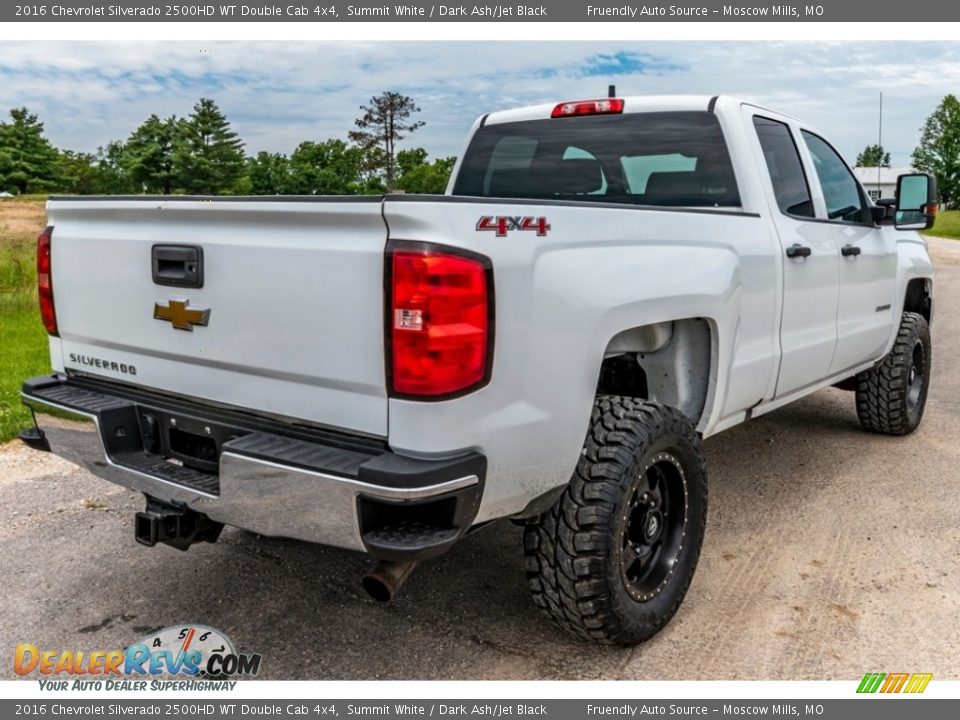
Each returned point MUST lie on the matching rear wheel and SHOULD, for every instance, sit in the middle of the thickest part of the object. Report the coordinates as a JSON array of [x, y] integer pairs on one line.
[[891, 396], [611, 561]]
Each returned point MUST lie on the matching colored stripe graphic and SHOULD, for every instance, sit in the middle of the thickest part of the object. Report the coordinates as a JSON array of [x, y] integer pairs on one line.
[[918, 682], [870, 682], [894, 682]]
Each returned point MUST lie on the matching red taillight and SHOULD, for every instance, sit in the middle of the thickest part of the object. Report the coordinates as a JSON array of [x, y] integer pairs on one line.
[[607, 106], [45, 282], [439, 322]]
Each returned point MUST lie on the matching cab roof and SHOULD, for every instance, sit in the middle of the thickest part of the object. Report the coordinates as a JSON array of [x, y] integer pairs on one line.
[[631, 104]]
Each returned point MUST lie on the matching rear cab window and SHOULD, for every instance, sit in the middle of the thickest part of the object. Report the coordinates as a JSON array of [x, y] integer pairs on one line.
[[675, 159]]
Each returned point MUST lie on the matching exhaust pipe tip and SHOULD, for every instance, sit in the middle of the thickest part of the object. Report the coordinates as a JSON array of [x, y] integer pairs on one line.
[[385, 580], [377, 589]]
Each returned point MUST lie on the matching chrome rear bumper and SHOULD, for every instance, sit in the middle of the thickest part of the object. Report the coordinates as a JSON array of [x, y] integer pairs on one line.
[[260, 494]]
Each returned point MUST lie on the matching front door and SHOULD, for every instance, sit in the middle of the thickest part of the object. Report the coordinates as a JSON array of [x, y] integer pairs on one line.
[[866, 314]]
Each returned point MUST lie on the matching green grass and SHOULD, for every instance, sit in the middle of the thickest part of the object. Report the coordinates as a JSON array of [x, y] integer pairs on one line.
[[23, 354], [947, 225], [23, 340], [29, 197]]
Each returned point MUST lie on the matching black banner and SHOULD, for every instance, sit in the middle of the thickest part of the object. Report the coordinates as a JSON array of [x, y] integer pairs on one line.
[[334, 11], [875, 708]]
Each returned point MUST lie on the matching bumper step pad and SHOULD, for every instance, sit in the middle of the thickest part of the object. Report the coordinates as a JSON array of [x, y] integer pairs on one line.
[[299, 453], [400, 537], [156, 466]]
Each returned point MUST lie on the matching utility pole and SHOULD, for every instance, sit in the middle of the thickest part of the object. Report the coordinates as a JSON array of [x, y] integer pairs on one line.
[[880, 145]]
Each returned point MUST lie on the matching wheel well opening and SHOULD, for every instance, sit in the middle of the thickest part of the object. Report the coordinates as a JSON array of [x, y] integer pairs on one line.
[[918, 298], [669, 362], [622, 375]]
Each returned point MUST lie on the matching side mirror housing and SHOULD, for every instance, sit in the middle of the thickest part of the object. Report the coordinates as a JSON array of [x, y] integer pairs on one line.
[[885, 211], [916, 207]]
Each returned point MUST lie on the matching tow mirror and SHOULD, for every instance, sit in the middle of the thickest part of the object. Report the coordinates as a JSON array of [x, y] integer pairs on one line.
[[916, 207]]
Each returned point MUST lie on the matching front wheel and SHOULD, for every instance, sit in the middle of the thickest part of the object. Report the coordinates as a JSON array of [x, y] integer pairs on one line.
[[891, 395], [611, 561]]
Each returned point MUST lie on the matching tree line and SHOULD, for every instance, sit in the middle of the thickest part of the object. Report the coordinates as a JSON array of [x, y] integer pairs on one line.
[[201, 155], [937, 153]]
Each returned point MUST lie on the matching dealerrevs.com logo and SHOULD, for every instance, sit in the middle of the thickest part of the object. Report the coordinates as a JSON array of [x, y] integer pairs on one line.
[[187, 652]]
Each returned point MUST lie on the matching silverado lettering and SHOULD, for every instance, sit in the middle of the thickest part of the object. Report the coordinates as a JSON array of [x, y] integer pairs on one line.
[[102, 364]]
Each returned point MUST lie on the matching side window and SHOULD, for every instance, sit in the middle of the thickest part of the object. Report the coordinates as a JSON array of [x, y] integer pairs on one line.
[[786, 171], [840, 189]]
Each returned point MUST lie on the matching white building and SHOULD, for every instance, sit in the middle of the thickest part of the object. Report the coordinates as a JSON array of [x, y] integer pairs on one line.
[[880, 182]]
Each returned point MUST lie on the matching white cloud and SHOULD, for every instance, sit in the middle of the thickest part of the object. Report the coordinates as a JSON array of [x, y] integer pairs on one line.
[[279, 93]]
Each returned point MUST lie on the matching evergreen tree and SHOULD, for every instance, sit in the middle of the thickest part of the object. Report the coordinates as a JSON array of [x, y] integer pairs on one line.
[[113, 175], [384, 123], [28, 162], [939, 150], [208, 155], [79, 173], [873, 156], [148, 156]]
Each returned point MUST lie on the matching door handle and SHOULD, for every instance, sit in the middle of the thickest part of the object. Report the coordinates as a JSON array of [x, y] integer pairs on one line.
[[798, 251], [850, 251]]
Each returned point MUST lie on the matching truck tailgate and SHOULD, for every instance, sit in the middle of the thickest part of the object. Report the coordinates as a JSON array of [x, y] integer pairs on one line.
[[294, 290]]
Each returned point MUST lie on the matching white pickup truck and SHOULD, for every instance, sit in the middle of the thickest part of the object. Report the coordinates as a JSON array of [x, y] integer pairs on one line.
[[386, 374]]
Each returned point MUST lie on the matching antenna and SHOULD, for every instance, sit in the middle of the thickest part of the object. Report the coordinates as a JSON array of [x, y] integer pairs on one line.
[[880, 144], [611, 91]]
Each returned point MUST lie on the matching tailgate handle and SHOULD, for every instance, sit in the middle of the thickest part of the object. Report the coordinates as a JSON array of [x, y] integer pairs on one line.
[[177, 265]]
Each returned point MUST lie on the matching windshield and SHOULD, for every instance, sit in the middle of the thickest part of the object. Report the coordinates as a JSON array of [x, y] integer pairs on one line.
[[675, 159]]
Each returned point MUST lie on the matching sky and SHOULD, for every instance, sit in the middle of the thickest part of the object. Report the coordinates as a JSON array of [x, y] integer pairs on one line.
[[278, 94]]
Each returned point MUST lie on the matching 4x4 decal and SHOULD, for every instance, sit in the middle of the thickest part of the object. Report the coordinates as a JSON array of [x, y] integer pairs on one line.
[[502, 224]]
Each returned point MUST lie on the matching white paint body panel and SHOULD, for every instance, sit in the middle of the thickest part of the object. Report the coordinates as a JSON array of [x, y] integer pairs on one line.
[[561, 299], [294, 291], [296, 296]]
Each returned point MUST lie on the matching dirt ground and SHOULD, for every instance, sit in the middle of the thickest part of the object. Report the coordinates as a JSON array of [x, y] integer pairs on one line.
[[829, 553], [21, 220]]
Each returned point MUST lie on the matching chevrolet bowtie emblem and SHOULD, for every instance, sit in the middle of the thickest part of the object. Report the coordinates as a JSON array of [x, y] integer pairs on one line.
[[181, 316]]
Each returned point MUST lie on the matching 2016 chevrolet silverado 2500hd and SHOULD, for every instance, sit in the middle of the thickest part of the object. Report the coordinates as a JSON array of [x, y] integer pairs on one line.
[[386, 373]]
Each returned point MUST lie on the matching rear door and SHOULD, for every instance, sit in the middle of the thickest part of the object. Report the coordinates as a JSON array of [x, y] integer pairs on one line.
[[288, 320], [811, 258]]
